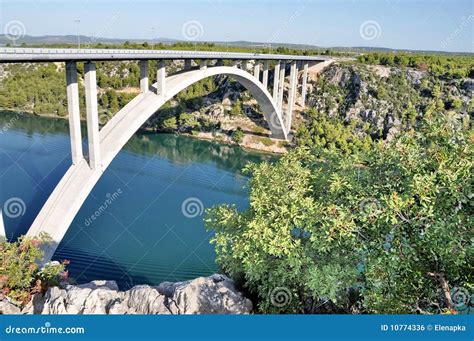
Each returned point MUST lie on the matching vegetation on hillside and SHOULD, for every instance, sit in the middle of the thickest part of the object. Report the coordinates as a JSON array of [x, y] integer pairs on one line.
[[384, 230]]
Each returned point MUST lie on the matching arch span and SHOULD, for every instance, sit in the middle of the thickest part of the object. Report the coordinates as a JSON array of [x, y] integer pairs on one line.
[[72, 190]]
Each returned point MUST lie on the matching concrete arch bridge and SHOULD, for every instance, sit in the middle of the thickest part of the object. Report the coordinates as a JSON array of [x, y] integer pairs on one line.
[[104, 144]]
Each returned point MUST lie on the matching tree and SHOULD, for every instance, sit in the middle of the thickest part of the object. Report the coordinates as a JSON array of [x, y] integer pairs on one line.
[[238, 135], [170, 123], [384, 231], [187, 121], [236, 109]]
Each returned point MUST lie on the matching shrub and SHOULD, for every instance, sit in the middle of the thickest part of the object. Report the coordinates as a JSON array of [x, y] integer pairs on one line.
[[388, 230], [20, 276], [238, 135]]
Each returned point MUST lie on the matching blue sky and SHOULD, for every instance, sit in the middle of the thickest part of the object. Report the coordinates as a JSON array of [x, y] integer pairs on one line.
[[408, 24]]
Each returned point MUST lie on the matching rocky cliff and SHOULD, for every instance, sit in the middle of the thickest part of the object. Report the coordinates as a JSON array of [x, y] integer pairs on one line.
[[215, 294]]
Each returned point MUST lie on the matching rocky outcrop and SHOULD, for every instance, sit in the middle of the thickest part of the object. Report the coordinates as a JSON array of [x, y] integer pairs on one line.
[[8, 308], [215, 294]]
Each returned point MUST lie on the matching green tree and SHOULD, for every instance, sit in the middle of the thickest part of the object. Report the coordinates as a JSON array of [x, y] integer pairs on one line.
[[388, 230], [187, 121], [170, 123]]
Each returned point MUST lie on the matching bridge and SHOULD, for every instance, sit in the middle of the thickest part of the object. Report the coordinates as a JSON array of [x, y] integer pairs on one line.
[[104, 144]]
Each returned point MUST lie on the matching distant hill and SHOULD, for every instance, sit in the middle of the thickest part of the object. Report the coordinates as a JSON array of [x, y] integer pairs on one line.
[[85, 40]]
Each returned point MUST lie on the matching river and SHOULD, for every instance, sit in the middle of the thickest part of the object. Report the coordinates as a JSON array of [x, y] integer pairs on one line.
[[151, 230]]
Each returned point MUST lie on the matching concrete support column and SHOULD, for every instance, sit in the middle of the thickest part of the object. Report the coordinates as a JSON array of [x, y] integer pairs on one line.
[[304, 85], [235, 63], [160, 78], [265, 73], [281, 85], [187, 64], [291, 94], [92, 115], [203, 64], [144, 76], [256, 70], [73, 112], [276, 81], [245, 65], [3, 233]]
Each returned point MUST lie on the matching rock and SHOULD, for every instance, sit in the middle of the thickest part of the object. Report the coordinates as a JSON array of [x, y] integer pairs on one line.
[[205, 295], [8, 308], [215, 294]]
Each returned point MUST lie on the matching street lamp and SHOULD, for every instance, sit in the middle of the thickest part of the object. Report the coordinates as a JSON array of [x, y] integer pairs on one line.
[[78, 34]]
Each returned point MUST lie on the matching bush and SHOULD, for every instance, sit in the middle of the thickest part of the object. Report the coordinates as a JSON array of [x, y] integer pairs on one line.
[[170, 123], [238, 135], [187, 122], [388, 230], [20, 276]]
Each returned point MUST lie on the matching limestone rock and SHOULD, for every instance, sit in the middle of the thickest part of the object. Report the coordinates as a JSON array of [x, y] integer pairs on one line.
[[8, 308], [215, 294]]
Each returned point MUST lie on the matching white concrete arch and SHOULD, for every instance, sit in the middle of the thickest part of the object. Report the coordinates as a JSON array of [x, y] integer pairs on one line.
[[67, 198]]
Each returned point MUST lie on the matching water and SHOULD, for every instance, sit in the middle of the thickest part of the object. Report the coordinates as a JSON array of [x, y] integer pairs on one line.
[[143, 236]]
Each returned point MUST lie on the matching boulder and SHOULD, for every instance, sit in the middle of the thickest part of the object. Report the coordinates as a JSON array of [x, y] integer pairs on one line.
[[8, 308], [215, 294]]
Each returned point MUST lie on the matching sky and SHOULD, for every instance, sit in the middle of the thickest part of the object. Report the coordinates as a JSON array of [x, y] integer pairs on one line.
[[445, 25]]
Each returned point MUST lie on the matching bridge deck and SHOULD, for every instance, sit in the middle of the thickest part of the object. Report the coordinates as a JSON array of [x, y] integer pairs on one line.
[[17, 55]]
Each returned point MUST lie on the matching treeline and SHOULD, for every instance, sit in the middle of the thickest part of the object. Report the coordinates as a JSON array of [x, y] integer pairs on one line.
[[450, 66]]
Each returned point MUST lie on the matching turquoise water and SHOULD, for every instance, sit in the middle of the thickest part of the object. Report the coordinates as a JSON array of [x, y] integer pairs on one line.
[[142, 236]]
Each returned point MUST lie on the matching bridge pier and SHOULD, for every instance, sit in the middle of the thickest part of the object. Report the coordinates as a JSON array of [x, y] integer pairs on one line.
[[187, 64], [291, 94], [73, 112], [92, 115], [256, 70], [245, 65], [144, 76], [304, 84], [235, 63], [203, 64], [266, 64], [281, 85], [276, 81], [160, 78]]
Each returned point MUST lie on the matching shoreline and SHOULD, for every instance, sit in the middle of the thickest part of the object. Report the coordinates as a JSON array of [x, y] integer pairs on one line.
[[199, 136]]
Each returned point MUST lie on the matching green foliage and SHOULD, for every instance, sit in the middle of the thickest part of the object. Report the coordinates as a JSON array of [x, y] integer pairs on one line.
[[236, 108], [457, 66], [187, 122], [392, 224], [322, 131], [170, 123], [238, 135], [20, 276], [265, 140]]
